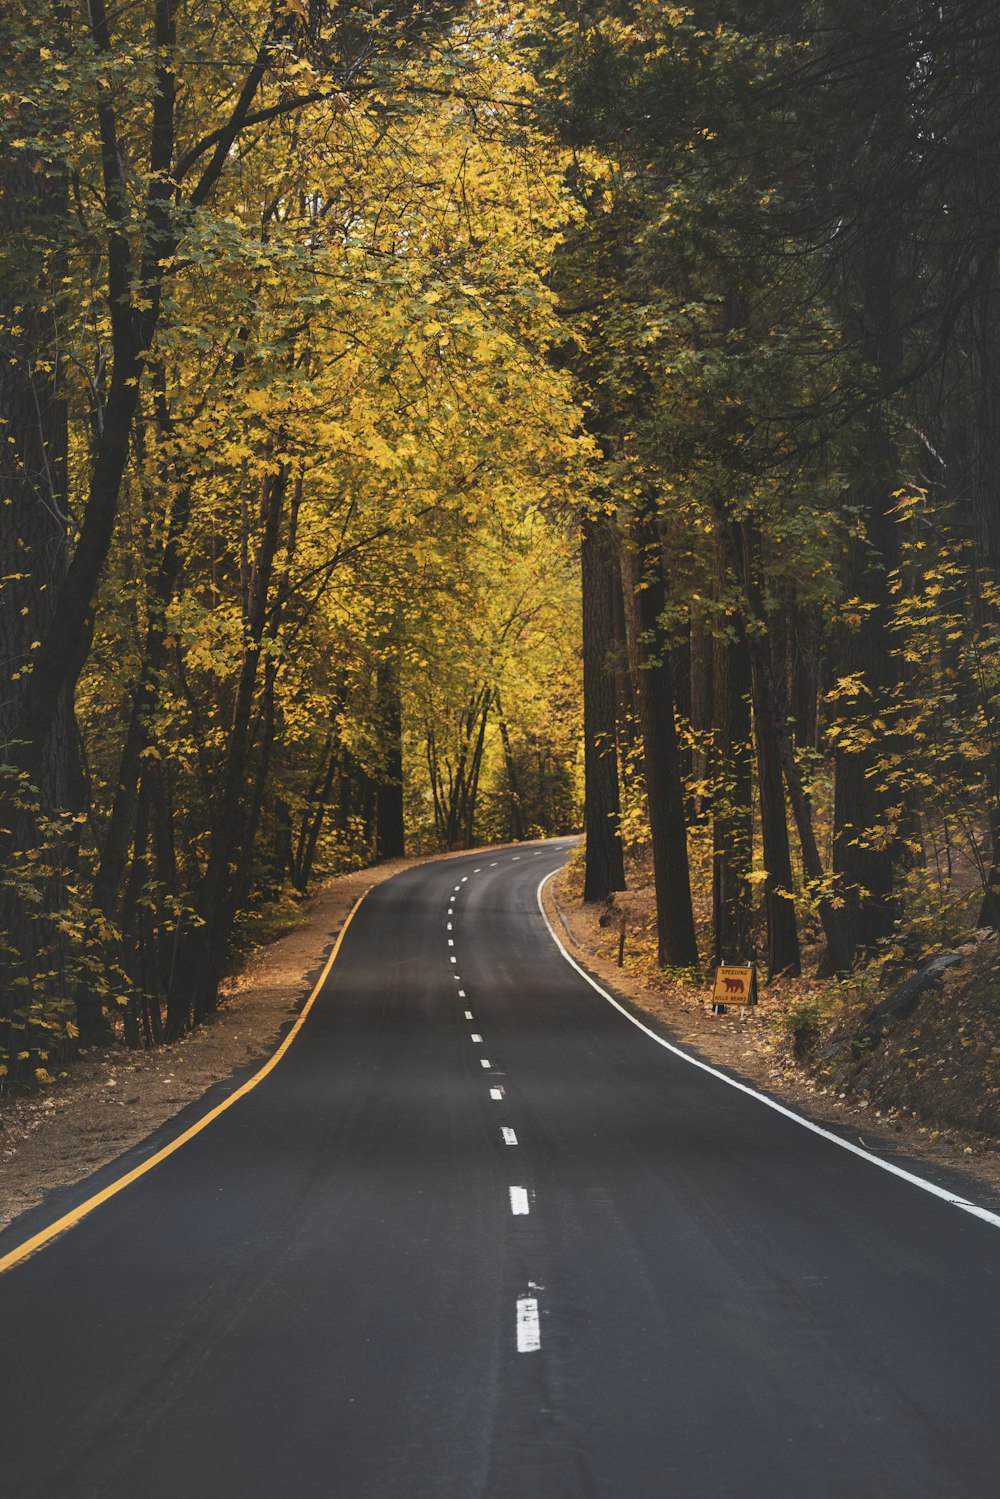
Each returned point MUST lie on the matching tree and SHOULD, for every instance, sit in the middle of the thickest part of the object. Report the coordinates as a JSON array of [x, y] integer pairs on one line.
[[604, 869]]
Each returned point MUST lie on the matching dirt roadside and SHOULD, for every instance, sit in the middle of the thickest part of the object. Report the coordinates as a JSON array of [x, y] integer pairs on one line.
[[745, 1044]]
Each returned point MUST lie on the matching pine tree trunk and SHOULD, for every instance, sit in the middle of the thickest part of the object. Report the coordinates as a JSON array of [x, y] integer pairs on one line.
[[783, 955], [732, 807], [677, 943], [984, 68], [604, 870], [862, 845], [702, 704]]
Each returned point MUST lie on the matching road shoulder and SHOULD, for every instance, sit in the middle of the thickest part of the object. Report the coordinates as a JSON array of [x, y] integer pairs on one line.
[[744, 1046]]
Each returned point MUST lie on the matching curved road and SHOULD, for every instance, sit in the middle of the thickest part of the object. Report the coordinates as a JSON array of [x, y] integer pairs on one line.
[[477, 1235]]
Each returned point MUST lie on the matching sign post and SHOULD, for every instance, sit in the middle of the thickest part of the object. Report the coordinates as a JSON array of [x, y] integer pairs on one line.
[[734, 986]]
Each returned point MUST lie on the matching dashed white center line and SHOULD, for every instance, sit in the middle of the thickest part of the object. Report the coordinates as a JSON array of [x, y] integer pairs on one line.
[[496, 1093], [458, 887], [519, 1201], [477, 1040], [468, 1014], [529, 1334], [514, 858], [449, 927], [453, 958], [484, 1062], [509, 1137], [464, 880], [451, 942], [494, 864], [477, 871]]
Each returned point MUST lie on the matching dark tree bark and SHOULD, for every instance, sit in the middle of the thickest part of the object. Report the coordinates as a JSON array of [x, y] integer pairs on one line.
[[783, 956], [604, 870], [314, 814], [34, 557], [472, 796], [983, 63], [389, 819], [455, 788], [677, 943], [862, 845], [702, 704], [198, 970], [628, 733], [63, 646], [732, 857], [514, 797], [870, 277], [146, 694]]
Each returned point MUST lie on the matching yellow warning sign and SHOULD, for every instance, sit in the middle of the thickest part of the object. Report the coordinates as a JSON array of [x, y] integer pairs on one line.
[[733, 986]]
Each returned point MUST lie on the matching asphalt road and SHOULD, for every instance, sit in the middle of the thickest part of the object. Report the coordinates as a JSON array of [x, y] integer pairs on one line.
[[586, 1270]]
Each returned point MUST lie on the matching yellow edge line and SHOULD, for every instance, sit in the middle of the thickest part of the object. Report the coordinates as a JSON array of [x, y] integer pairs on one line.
[[74, 1216]]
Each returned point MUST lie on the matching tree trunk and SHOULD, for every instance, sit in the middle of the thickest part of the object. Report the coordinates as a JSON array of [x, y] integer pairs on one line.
[[514, 801], [477, 762], [197, 975], [783, 956], [862, 839], [732, 796], [604, 869], [34, 558], [390, 829], [702, 705], [677, 943], [984, 68]]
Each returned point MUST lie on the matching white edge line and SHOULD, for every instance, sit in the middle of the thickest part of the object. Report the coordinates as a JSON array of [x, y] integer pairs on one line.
[[771, 1103]]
